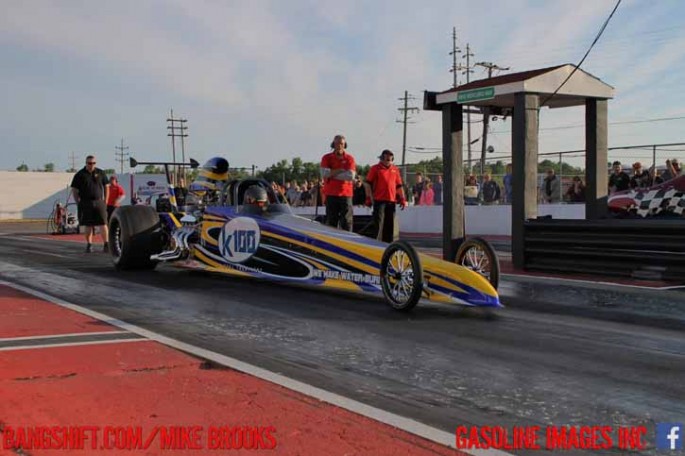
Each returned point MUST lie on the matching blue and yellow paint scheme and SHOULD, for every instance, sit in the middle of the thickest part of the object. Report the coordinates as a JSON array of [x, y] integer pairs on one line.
[[276, 245]]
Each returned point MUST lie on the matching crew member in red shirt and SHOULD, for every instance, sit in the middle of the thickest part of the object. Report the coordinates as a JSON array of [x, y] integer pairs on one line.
[[116, 196], [384, 183], [338, 170]]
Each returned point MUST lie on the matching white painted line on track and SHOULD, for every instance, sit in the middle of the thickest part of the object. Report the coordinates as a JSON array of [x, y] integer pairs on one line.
[[71, 344], [40, 238], [406, 424], [53, 336], [588, 282]]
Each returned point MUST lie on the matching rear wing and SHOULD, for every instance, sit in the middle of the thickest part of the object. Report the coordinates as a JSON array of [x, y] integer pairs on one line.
[[172, 191]]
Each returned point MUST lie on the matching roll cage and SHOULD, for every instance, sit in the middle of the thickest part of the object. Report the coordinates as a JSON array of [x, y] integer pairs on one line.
[[233, 195]]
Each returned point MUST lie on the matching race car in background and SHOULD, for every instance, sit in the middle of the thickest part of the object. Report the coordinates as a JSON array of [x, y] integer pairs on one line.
[[665, 199], [224, 229]]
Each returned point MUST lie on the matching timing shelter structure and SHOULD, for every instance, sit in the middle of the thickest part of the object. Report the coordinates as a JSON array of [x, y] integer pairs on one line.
[[521, 96]]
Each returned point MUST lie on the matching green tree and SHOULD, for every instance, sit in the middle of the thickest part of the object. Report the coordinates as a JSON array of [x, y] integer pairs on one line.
[[152, 169], [110, 171], [23, 167], [296, 168], [49, 167], [311, 171]]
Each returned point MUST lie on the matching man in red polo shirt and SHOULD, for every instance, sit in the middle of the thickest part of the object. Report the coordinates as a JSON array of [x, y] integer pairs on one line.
[[338, 170], [116, 196], [384, 182]]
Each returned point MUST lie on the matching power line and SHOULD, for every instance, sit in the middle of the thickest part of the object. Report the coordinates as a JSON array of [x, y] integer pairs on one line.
[[182, 128], [120, 155], [405, 111], [486, 115], [599, 34], [72, 159], [623, 122], [455, 50]]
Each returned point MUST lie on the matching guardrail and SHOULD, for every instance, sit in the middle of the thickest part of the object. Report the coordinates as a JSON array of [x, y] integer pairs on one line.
[[646, 249]]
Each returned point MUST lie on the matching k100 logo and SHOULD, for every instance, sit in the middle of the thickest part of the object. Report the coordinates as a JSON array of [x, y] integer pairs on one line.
[[239, 239]]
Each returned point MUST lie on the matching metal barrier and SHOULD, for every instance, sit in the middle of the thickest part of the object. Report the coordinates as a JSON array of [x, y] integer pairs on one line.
[[646, 249]]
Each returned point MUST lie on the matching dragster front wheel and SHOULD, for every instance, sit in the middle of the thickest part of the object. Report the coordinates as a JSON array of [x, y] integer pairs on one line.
[[401, 276], [478, 255]]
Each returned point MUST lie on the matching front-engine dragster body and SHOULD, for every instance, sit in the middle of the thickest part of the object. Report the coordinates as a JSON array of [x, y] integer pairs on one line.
[[269, 242]]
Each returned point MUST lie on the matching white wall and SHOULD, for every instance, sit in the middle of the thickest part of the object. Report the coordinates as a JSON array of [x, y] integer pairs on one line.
[[480, 220], [31, 195]]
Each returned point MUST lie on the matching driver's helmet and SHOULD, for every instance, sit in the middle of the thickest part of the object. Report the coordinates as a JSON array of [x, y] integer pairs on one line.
[[256, 196]]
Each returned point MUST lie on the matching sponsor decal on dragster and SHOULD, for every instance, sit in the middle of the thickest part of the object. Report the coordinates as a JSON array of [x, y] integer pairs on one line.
[[285, 231], [268, 227], [239, 239], [366, 282]]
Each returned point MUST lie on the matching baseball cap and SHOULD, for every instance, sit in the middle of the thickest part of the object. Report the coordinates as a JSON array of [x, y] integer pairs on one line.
[[386, 152]]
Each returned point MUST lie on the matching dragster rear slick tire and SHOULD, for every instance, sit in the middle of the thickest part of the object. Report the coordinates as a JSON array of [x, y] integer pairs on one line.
[[134, 234]]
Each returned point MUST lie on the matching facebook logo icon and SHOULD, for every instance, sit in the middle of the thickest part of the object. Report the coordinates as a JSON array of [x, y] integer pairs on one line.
[[669, 436]]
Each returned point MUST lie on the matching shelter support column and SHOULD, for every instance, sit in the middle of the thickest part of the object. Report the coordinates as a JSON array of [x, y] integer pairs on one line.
[[453, 184], [524, 149], [596, 158]]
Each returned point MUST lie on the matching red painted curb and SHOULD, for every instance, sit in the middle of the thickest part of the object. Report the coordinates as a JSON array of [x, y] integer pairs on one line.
[[147, 384]]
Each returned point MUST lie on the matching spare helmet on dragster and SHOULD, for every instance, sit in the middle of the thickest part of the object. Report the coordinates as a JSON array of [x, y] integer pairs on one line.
[[210, 180]]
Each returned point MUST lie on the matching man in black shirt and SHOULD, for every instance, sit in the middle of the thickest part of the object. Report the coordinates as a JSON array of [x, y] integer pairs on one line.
[[90, 188], [618, 181]]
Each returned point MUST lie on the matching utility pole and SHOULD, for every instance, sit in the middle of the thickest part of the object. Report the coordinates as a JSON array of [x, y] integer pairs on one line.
[[120, 155], [455, 50], [467, 70], [486, 115], [181, 128], [72, 159], [405, 110]]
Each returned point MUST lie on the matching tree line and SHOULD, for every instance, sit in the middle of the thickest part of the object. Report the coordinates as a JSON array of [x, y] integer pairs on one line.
[[300, 171]]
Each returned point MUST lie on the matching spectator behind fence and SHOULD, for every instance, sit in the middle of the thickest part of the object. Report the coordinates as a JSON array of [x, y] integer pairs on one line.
[[672, 169], [619, 180], [655, 177], [428, 194], [359, 194], [471, 190], [292, 193], [640, 177], [437, 188], [576, 192], [490, 193], [508, 185], [338, 169], [305, 195], [417, 188], [551, 188]]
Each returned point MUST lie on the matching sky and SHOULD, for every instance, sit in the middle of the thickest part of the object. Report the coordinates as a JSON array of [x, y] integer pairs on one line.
[[261, 81]]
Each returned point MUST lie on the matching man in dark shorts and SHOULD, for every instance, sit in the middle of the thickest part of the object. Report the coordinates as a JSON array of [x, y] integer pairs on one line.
[[90, 188]]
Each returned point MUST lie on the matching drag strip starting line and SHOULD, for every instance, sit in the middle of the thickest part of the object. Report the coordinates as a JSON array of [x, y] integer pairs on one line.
[[406, 424]]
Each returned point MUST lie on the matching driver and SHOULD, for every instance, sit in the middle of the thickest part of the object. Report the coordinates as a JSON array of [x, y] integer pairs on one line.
[[256, 197]]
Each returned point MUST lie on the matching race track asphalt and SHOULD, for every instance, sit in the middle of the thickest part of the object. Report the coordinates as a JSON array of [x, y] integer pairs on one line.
[[440, 365]]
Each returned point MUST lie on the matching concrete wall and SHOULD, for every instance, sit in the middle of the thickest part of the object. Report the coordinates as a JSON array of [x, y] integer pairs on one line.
[[31, 195], [480, 220]]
